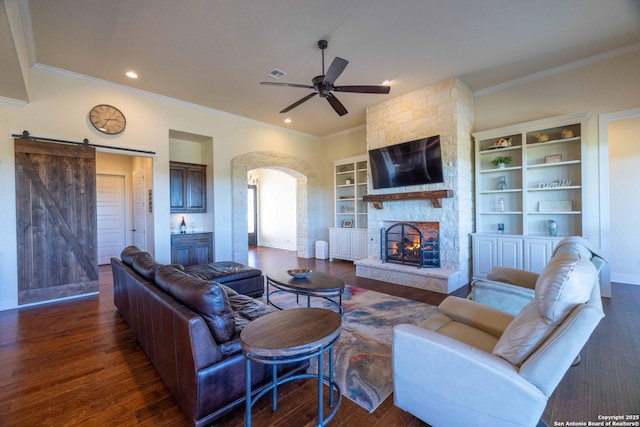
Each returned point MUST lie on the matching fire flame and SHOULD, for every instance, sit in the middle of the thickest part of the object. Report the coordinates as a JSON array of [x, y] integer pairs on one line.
[[407, 245]]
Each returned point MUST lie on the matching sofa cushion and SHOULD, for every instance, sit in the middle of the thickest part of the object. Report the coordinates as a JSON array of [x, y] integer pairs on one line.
[[206, 298], [129, 253], [230, 292], [246, 309], [145, 265], [222, 271], [565, 283]]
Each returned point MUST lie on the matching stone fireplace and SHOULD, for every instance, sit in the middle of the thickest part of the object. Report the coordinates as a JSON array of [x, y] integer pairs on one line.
[[444, 109]]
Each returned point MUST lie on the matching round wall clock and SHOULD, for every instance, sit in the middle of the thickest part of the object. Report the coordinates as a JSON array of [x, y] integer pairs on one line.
[[107, 119]]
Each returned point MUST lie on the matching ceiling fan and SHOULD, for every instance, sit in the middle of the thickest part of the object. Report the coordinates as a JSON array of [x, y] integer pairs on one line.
[[323, 85]]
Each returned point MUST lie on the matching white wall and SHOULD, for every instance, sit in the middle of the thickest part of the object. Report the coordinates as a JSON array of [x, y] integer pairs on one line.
[[624, 176], [277, 209], [59, 107]]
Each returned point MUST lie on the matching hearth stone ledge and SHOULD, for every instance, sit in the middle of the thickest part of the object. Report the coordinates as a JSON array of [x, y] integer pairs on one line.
[[440, 280]]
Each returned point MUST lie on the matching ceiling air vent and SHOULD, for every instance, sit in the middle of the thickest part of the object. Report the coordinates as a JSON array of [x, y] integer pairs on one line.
[[277, 74]]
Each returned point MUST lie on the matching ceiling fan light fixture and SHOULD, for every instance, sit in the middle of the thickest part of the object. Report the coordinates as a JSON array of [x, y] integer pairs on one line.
[[287, 120], [323, 85]]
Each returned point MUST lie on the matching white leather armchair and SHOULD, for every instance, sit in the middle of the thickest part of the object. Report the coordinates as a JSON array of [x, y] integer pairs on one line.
[[510, 289], [475, 365]]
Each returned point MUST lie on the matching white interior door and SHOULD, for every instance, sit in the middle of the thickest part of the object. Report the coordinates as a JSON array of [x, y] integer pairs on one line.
[[139, 214], [110, 207]]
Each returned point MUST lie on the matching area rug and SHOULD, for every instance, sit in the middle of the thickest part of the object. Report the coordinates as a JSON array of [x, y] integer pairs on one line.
[[362, 355]]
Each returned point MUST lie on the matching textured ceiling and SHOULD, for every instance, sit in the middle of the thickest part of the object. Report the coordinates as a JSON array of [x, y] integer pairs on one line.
[[216, 52]]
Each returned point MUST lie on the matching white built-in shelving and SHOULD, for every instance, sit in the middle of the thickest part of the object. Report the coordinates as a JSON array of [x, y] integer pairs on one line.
[[544, 182], [348, 238]]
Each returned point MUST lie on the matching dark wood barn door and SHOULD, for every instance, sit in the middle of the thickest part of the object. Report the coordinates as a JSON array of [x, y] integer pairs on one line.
[[56, 220]]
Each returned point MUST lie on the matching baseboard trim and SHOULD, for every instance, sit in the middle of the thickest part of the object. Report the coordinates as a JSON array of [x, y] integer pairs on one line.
[[629, 279]]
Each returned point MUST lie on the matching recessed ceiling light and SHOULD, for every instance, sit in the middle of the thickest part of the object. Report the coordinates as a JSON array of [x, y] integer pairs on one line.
[[386, 81], [132, 75], [287, 120]]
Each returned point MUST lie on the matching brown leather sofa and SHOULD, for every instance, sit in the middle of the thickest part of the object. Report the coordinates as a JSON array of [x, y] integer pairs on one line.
[[190, 328]]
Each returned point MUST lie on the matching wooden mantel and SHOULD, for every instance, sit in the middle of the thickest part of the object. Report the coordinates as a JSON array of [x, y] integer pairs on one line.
[[435, 197]]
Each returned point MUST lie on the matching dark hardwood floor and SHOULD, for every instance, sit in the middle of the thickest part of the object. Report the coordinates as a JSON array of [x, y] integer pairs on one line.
[[77, 363]]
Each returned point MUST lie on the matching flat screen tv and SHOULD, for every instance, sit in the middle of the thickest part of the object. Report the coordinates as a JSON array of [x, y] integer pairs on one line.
[[409, 163]]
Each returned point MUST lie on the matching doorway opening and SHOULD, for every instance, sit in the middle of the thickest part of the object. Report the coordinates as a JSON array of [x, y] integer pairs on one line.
[[124, 203], [617, 133], [252, 214], [272, 216], [305, 184]]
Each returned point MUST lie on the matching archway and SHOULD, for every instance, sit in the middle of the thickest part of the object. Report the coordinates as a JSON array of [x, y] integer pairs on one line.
[[305, 205]]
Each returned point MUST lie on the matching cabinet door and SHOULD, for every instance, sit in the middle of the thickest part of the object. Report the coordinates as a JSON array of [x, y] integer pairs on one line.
[[177, 184], [358, 243], [485, 254], [202, 253], [509, 252], [339, 243], [191, 249], [181, 253], [537, 253], [188, 187], [333, 243], [344, 244], [196, 189]]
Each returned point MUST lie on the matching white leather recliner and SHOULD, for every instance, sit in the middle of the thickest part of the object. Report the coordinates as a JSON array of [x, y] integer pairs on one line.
[[475, 365], [510, 289]]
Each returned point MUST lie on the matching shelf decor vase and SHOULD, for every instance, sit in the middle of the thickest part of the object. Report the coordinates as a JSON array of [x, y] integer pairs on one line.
[[553, 227], [502, 182]]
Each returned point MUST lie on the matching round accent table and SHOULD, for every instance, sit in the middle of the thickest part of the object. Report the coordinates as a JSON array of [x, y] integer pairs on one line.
[[290, 336], [316, 284]]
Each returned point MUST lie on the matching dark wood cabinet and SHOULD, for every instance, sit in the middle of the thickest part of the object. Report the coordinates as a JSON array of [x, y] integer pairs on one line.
[[192, 248], [188, 187]]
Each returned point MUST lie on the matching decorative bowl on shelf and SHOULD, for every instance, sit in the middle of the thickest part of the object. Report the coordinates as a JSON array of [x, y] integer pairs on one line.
[[299, 273]]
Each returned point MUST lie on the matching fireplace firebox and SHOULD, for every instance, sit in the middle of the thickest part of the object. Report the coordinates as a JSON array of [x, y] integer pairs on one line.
[[405, 243]]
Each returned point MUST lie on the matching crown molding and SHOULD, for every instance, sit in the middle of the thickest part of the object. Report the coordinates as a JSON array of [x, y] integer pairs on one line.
[[342, 132], [12, 101], [559, 69]]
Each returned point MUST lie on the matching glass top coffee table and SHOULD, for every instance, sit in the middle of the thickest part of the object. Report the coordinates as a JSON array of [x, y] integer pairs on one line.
[[316, 284]]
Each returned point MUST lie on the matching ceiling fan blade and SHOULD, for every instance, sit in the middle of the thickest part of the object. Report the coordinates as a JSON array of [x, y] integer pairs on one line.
[[335, 69], [337, 105], [286, 85], [363, 89], [298, 102]]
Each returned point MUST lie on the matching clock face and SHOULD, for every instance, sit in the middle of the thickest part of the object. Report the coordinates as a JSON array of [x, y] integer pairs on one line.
[[107, 119]]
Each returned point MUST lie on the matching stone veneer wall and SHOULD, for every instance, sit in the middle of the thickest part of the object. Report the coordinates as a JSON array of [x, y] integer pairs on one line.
[[445, 109]]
